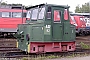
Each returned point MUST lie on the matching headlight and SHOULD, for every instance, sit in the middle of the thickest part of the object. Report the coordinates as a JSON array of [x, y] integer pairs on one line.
[[21, 32], [27, 37]]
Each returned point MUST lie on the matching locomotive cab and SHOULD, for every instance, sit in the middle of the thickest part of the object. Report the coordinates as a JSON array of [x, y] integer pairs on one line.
[[47, 30]]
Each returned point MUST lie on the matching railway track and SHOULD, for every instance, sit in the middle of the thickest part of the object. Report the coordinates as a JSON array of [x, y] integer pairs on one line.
[[8, 49], [83, 39], [7, 45]]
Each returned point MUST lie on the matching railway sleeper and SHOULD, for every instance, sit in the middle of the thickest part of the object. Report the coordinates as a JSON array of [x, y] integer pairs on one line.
[[9, 53]]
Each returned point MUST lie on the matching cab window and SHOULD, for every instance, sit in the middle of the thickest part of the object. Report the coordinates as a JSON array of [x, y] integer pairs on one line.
[[49, 13], [28, 14], [34, 14], [57, 15], [16, 14], [66, 14], [41, 13], [5, 14], [73, 19]]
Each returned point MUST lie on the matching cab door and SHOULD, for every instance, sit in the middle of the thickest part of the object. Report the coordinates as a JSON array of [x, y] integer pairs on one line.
[[57, 27], [68, 29]]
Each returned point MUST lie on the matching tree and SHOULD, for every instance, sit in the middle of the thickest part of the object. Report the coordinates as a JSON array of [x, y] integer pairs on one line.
[[83, 9], [3, 3], [77, 9]]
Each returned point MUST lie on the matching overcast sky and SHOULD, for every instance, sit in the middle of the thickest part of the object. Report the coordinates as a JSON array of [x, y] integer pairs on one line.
[[71, 3]]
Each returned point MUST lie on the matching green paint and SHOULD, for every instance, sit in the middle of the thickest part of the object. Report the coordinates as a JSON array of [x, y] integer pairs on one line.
[[46, 30]]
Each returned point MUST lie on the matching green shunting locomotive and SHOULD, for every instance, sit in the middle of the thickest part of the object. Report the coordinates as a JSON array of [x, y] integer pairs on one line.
[[47, 30]]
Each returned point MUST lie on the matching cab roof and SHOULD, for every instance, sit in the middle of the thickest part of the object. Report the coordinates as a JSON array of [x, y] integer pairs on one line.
[[52, 5]]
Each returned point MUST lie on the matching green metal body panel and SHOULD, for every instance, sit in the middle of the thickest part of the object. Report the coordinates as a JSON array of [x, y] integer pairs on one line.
[[57, 31], [46, 30], [22, 42]]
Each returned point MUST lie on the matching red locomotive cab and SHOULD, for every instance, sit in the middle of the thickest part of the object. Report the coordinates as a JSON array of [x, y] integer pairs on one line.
[[10, 18], [81, 25], [72, 21], [80, 21]]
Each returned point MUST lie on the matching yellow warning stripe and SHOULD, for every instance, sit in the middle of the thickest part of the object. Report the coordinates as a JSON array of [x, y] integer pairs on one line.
[[17, 45], [29, 48]]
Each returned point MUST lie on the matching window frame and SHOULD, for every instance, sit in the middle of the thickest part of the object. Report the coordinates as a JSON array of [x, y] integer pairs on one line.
[[57, 21], [24, 14], [16, 17], [66, 12], [41, 14], [73, 19], [9, 14], [28, 14], [34, 15], [49, 12]]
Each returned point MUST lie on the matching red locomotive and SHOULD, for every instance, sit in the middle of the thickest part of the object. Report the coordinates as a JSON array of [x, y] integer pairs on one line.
[[80, 24], [10, 17]]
